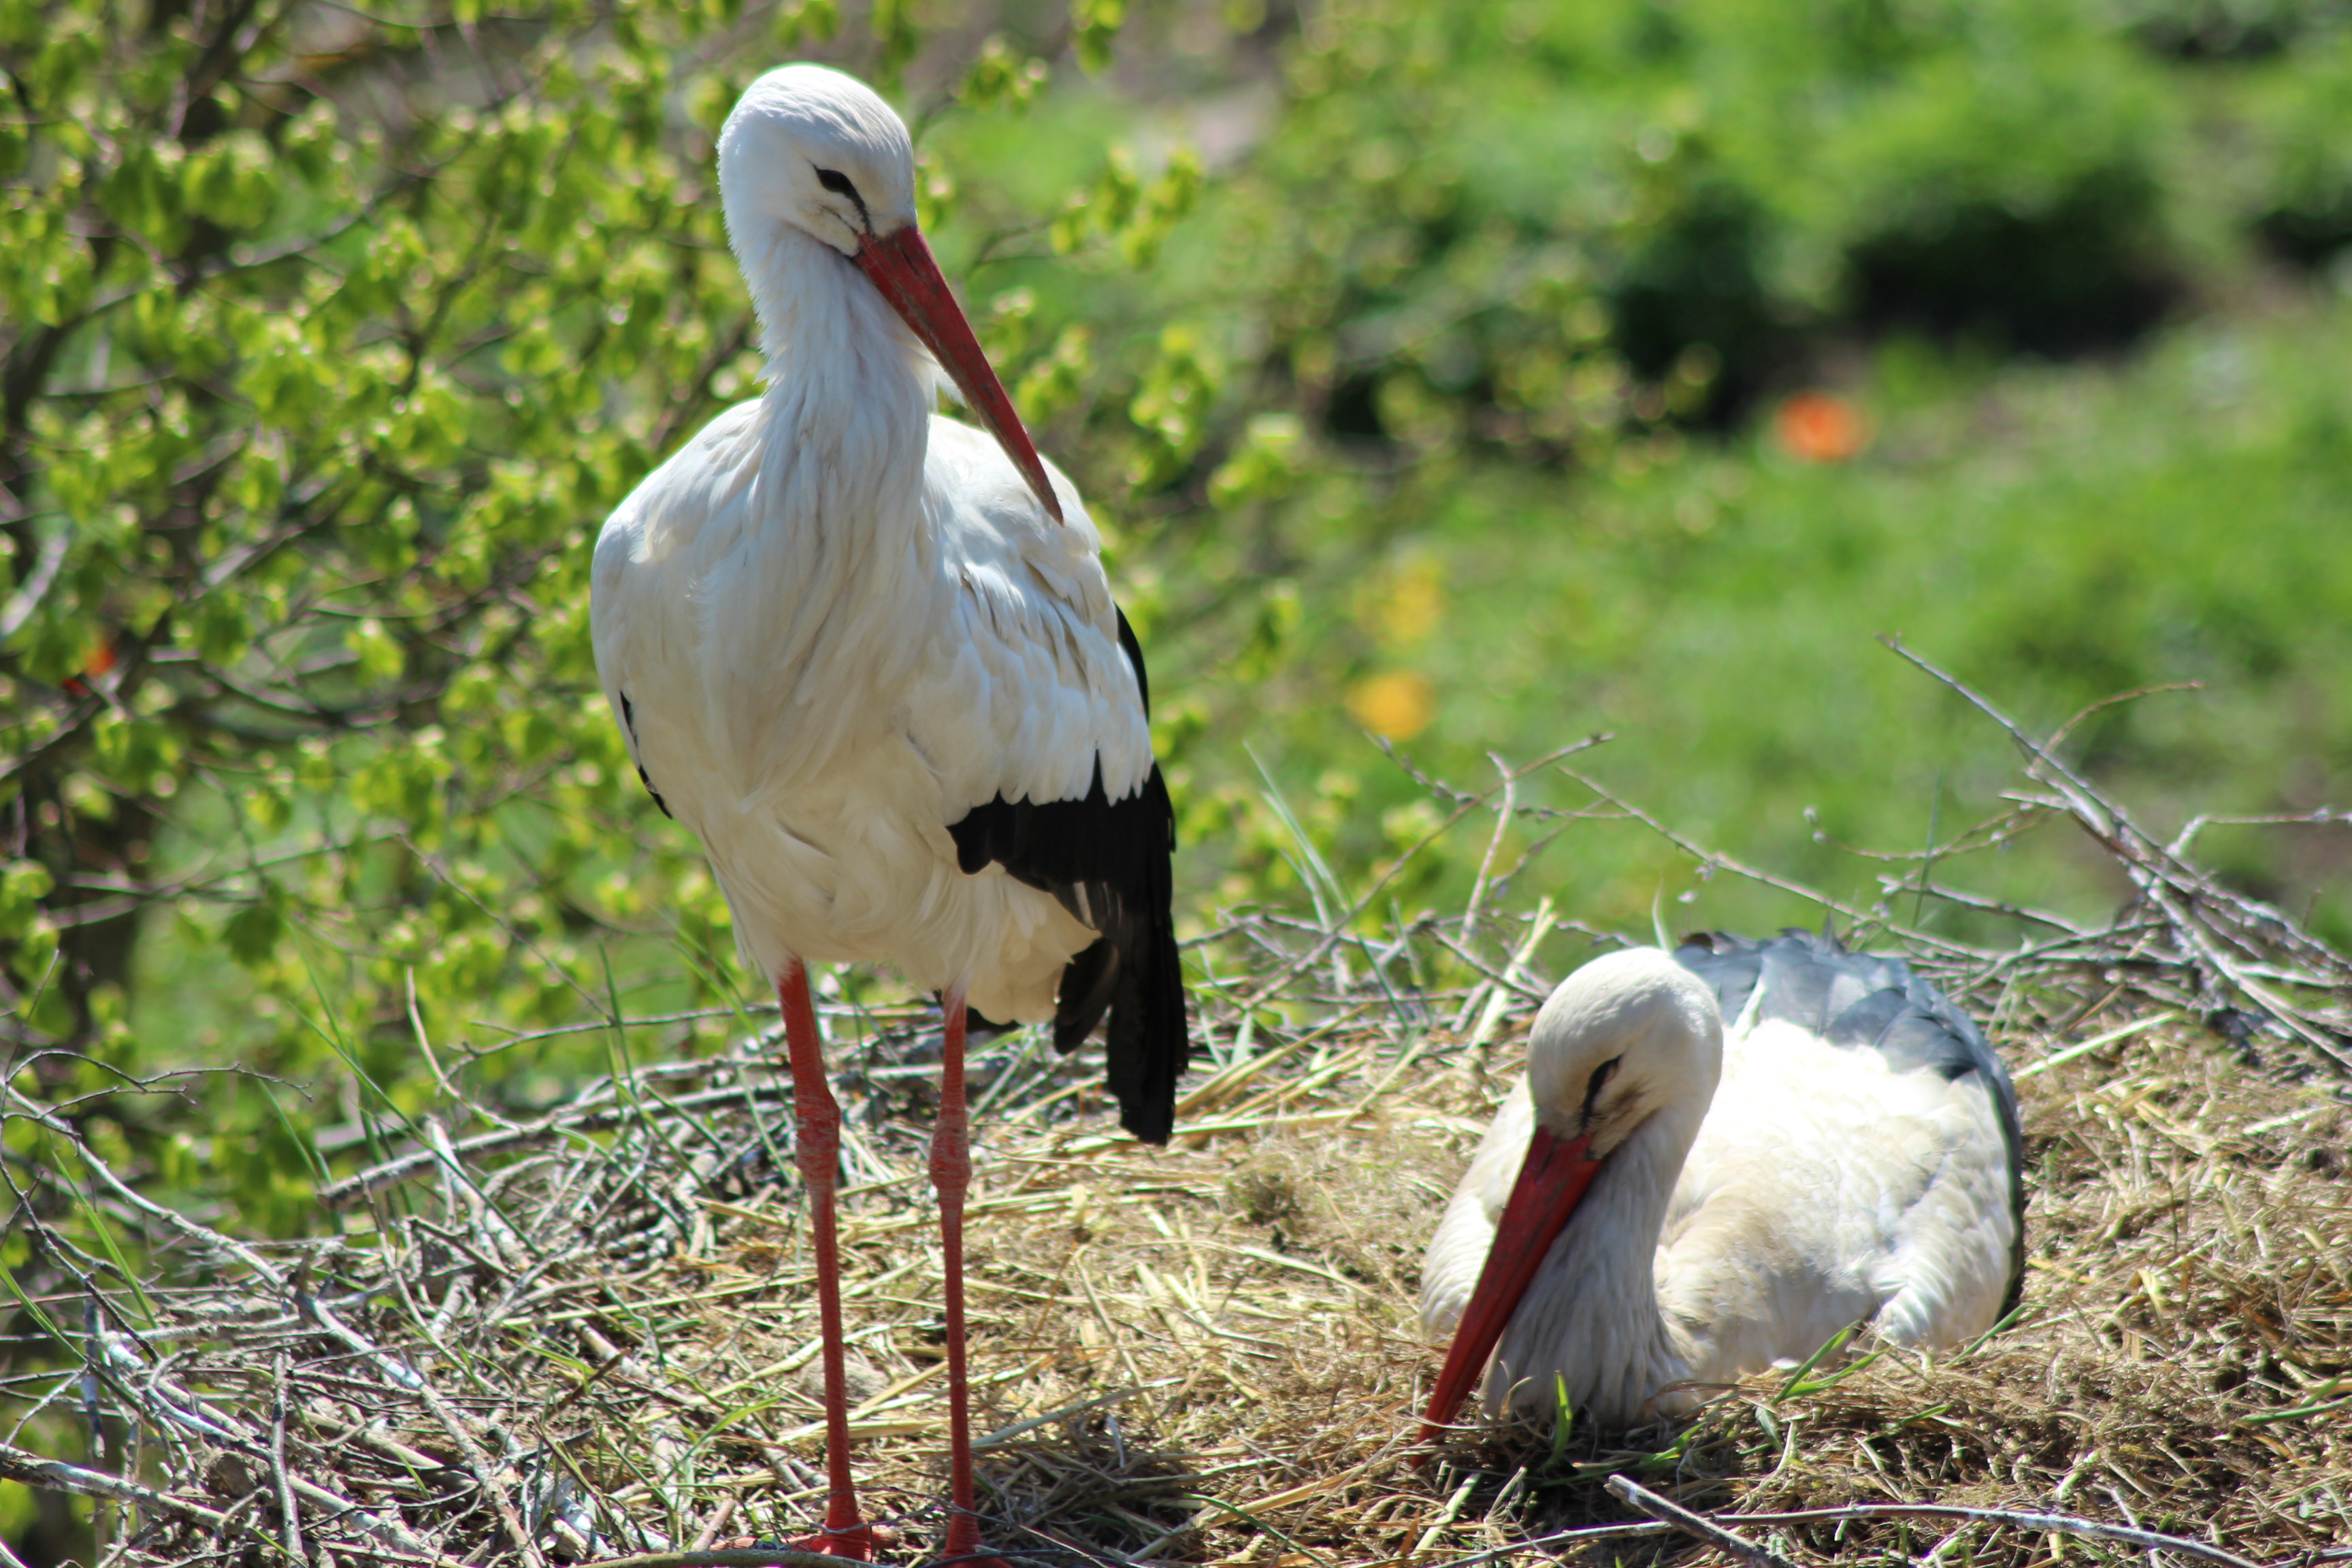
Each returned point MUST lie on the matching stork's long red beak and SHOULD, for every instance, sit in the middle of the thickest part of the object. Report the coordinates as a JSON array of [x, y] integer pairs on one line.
[[1551, 1183], [902, 268]]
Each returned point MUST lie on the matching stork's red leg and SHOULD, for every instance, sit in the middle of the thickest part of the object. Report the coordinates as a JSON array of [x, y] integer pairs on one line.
[[818, 1149], [952, 1175]]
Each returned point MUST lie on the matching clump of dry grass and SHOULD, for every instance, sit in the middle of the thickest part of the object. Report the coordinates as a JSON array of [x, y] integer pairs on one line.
[[1204, 1353], [594, 1335]]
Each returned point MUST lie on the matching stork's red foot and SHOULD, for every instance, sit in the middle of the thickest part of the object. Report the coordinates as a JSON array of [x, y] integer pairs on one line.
[[963, 1547], [858, 1542]]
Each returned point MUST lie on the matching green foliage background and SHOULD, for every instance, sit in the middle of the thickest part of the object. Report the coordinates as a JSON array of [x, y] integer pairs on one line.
[[1437, 343]]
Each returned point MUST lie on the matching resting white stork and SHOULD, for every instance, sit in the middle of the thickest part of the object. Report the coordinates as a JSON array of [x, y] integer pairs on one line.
[[870, 657], [1636, 1229]]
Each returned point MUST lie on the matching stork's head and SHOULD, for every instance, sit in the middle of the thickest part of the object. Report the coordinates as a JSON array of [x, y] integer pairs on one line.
[[809, 147], [1617, 1040], [1624, 1038]]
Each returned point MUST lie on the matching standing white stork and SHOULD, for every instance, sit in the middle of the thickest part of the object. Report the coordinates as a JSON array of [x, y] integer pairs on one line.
[[1636, 1230], [870, 657]]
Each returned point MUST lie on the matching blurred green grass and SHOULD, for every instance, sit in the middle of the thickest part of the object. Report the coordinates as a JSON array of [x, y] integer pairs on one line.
[[2054, 534]]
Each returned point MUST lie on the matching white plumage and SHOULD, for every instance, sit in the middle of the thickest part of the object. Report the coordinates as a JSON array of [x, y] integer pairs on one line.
[[818, 708], [1846, 1150], [839, 622]]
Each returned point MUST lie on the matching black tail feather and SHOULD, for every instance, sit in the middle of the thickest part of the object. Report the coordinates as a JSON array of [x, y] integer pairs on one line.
[[1089, 984], [1148, 1044], [1108, 864]]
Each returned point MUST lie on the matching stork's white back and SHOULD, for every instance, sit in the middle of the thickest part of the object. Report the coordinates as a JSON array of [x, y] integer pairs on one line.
[[1827, 1188]]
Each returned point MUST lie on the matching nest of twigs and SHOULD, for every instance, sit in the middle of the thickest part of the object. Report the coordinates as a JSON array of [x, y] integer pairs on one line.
[[593, 1336]]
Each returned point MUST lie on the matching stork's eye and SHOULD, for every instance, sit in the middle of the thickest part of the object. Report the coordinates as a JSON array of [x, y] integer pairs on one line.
[[836, 182], [1599, 1081]]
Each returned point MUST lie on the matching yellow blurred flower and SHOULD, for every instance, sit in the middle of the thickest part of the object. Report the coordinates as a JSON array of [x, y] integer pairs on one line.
[[1396, 703]]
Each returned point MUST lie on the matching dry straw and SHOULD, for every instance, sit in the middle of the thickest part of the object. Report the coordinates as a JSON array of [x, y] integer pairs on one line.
[[591, 1336]]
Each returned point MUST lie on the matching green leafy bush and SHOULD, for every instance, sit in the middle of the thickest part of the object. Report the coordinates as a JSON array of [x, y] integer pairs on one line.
[[327, 340], [2303, 206]]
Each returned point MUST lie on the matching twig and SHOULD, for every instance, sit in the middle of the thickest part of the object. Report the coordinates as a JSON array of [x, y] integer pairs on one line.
[[2094, 1043], [2199, 823], [1716, 860], [1561, 1537], [1695, 1525], [575, 1118], [286, 1506], [55, 1475], [2203, 918], [758, 1557], [2052, 1523], [1486, 865], [720, 1518], [1498, 1002], [36, 586], [1338, 928], [2134, 695]]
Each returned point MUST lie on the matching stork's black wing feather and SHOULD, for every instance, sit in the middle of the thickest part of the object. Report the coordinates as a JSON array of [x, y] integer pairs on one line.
[[1864, 1000], [1108, 864], [629, 724]]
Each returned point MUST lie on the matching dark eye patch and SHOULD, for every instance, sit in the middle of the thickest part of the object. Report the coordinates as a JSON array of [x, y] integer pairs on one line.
[[836, 182], [1593, 1085]]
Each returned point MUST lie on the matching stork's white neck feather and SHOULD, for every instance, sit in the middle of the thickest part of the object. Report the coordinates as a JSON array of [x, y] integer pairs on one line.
[[850, 390], [835, 526]]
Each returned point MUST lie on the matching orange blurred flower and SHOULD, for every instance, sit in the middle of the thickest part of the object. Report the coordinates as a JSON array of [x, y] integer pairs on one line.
[[101, 661], [1821, 427], [1397, 704]]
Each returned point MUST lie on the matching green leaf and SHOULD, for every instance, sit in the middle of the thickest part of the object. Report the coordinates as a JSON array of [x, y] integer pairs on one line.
[[252, 934], [1172, 406], [999, 79], [1265, 463], [223, 630], [1058, 380], [382, 658], [23, 885], [805, 21], [1094, 30]]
